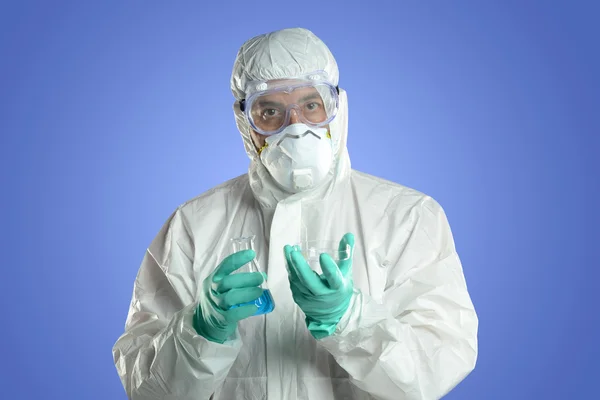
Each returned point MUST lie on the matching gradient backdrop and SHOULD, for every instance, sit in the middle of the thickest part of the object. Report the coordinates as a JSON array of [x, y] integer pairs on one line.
[[112, 114]]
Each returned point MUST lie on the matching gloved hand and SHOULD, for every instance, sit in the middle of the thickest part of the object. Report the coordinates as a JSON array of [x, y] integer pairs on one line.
[[214, 318], [323, 298]]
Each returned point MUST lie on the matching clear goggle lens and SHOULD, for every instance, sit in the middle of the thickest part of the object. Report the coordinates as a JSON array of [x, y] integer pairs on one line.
[[271, 110]]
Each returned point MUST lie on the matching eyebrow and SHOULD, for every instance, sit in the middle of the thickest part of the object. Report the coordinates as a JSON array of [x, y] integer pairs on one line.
[[267, 103], [310, 97]]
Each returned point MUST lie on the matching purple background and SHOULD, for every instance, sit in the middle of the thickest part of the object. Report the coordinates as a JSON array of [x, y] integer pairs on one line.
[[113, 114]]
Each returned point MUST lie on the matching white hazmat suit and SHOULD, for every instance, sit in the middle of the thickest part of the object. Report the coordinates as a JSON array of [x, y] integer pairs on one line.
[[410, 333]]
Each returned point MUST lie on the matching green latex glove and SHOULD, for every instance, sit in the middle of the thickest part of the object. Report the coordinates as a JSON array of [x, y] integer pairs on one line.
[[214, 318], [323, 298]]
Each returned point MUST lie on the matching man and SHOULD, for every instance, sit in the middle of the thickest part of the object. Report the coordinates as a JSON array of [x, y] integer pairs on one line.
[[392, 321]]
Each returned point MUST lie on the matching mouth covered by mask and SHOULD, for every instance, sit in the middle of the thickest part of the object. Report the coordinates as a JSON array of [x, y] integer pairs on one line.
[[299, 157]]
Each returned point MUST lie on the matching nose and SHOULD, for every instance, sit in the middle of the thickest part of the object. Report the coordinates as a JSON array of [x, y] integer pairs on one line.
[[294, 119]]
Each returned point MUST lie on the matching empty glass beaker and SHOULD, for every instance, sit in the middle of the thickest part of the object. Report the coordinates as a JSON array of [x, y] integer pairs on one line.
[[312, 249]]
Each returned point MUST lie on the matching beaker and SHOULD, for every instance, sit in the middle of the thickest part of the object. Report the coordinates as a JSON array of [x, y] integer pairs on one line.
[[265, 302], [312, 249]]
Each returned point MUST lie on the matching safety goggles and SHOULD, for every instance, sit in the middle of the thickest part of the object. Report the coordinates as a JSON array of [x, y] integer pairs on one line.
[[269, 105]]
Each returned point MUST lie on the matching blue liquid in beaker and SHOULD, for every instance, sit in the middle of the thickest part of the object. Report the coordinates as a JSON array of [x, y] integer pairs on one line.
[[264, 303]]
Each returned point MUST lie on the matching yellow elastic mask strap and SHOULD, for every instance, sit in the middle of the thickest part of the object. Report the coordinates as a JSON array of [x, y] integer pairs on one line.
[[262, 148], [266, 144]]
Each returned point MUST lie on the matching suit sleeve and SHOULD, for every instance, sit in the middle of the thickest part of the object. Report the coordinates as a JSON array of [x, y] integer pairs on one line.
[[421, 341], [160, 355]]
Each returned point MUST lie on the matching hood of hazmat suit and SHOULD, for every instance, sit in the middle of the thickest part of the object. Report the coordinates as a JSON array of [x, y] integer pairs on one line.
[[410, 331]]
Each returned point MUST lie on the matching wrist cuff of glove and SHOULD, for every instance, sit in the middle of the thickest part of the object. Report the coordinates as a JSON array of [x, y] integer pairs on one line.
[[199, 326], [320, 330]]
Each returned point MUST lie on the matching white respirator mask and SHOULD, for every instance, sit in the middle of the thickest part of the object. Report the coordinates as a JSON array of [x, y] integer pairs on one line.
[[299, 157]]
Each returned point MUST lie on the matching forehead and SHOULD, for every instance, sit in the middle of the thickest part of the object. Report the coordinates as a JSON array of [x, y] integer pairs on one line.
[[279, 84], [273, 83], [291, 93]]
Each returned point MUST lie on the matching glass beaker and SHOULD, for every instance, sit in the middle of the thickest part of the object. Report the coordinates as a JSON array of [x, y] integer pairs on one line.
[[265, 302], [312, 249]]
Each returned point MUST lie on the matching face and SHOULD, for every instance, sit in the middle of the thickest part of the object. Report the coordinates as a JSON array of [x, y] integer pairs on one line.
[[269, 112]]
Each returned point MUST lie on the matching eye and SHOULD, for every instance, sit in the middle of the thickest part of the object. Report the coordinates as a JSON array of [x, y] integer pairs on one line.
[[312, 106], [269, 112]]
